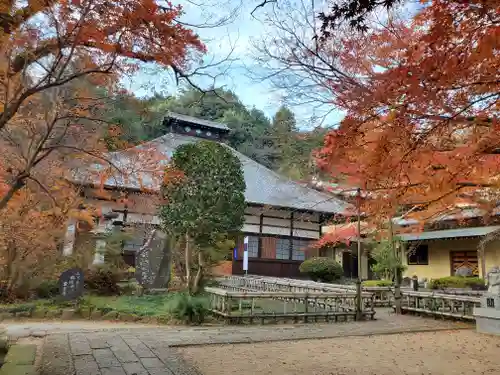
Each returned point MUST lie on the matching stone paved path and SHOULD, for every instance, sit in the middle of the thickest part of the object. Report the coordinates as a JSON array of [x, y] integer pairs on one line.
[[109, 349], [110, 353]]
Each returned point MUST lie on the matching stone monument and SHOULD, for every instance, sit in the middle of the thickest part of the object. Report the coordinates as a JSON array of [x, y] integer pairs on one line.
[[71, 284], [488, 315], [149, 261]]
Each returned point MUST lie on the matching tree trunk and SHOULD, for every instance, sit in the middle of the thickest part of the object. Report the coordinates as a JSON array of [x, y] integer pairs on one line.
[[199, 274], [482, 260], [188, 264], [397, 271]]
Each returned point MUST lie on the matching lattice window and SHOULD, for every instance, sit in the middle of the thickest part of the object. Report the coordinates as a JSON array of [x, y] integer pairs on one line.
[[298, 247], [282, 248], [253, 246]]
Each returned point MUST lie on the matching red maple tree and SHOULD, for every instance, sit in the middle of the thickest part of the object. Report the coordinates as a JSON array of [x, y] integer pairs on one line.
[[422, 102], [51, 54]]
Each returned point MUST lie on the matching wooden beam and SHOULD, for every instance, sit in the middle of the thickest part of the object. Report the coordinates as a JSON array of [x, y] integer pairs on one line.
[[290, 249], [261, 224]]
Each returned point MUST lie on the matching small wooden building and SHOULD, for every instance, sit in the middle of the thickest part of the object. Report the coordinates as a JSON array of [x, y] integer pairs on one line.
[[282, 217]]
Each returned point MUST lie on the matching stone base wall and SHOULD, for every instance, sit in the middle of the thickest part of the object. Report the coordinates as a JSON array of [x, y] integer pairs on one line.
[[487, 320]]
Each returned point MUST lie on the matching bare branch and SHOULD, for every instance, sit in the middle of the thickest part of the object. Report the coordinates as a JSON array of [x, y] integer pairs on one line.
[[261, 5]]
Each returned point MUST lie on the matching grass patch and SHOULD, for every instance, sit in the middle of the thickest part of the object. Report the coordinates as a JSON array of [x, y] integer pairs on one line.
[[147, 305], [174, 305], [153, 305], [47, 304], [377, 283]]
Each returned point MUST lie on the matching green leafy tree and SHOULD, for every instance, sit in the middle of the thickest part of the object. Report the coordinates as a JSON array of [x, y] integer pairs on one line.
[[203, 203], [207, 105], [293, 149], [278, 145], [284, 121], [387, 261]]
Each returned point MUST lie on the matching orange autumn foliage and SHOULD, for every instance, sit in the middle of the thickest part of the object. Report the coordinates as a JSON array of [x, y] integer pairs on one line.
[[423, 102], [31, 232], [52, 53]]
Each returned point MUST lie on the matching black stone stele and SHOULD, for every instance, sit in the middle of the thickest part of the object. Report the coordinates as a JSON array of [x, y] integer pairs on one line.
[[71, 283]]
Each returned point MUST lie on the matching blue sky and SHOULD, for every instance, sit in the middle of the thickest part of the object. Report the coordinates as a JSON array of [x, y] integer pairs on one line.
[[239, 34]]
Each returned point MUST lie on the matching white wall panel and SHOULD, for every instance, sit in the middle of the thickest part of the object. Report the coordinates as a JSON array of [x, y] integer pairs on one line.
[[250, 228], [305, 233], [275, 230], [251, 219], [306, 225]]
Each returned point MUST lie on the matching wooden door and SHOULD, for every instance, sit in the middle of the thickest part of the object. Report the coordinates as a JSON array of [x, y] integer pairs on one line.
[[350, 265], [464, 259]]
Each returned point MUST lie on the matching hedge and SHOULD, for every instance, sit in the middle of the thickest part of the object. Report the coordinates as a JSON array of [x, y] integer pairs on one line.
[[475, 283]]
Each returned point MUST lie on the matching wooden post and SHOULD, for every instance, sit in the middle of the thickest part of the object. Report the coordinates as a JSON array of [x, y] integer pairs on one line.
[[261, 224], [397, 271], [359, 307]]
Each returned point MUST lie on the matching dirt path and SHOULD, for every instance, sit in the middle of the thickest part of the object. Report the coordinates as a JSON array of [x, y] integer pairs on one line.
[[462, 352]]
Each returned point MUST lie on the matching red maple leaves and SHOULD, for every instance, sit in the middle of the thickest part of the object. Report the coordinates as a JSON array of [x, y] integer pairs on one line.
[[422, 101]]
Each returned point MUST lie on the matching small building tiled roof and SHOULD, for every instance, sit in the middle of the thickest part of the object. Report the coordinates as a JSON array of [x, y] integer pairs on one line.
[[449, 233], [263, 186], [199, 121]]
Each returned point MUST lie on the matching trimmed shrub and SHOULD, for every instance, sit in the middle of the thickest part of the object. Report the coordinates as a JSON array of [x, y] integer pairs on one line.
[[103, 281], [377, 283], [474, 283], [189, 309], [322, 269], [47, 289]]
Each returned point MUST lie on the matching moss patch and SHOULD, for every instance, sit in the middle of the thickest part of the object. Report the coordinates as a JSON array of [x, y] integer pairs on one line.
[[12, 369], [21, 354]]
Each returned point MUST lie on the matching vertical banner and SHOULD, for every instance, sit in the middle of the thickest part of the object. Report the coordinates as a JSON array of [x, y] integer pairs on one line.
[[245, 255]]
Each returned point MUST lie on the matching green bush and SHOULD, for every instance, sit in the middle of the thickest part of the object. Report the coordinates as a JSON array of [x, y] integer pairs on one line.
[[103, 281], [322, 269], [128, 288], [47, 289], [187, 308], [386, 260], [475, 283], [377, 283]]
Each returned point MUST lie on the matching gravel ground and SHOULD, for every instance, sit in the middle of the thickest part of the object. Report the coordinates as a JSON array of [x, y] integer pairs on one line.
[[431, 353]]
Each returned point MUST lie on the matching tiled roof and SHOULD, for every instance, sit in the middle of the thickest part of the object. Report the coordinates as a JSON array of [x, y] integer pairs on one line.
[[195, 120], [263, 186], [449, 233]]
